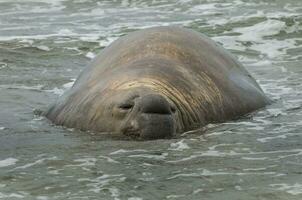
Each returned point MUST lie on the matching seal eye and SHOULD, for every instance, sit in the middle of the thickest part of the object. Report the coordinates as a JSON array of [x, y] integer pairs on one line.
[[126, 106]]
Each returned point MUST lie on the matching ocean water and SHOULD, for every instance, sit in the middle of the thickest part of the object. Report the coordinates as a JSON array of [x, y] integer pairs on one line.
[[45, 44]]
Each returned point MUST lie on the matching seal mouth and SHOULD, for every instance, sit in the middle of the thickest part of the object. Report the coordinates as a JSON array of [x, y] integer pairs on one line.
[[151, 127], [157, 126], [131, 132]]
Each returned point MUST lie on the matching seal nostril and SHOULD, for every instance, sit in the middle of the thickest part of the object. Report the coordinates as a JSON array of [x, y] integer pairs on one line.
[[173, 109]]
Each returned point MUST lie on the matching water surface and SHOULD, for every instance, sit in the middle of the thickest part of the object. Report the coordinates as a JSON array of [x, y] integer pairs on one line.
[[45, 44]]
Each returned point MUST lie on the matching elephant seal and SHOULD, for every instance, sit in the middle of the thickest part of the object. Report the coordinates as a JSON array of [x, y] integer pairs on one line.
[[157, 82]]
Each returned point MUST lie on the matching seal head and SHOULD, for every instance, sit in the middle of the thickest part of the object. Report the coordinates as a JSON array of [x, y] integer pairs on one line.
[[157, 82]]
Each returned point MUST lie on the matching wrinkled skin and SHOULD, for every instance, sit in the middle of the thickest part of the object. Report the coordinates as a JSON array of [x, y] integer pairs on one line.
[[158, 82]]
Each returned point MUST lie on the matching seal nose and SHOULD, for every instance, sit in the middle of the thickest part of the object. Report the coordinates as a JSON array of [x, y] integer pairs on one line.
[[155, 104], [154, 119]]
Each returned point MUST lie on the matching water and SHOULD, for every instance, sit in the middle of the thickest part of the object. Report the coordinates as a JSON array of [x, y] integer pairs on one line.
[[45, 44]]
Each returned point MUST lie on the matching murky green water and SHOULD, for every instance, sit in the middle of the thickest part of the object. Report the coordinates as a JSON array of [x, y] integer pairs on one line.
[[45, 44]]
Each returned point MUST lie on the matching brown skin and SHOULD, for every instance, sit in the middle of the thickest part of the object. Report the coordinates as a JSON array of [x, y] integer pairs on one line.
[[157, 82]]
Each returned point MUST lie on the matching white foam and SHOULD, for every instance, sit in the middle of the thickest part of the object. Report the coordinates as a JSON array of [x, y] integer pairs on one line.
[[247, 16], [238, 187], [252, 158], [53, 172], [56, 91], [150, 156], [123, 151], [256, 34], [3, 65], [43, 47], [73, 49], [260, 30], [222, 145], [135, 198], [27, 37], [90, 37], [266, 139], [60, 91], [38, 118], [198, 191], [280, 14], [90, 55], [42, 198], [37, 162], [60, 33], [30, 42], [125, 3], [174, 196], [203, 173], [215, 153], [2, 128], [260, 63], [295, 189], [245, 156], [100, 183], [179, 146], [209, 153], [39, 9], [8, 162], [21, 8], [12, 195], [254, 169], [206, 172], [69, 84], [203, 7], [85, 162], [65, 32], [97, 12], [229, 42], [107, 41], [115, 192], [108, 159], [24, 87], [274, 48]]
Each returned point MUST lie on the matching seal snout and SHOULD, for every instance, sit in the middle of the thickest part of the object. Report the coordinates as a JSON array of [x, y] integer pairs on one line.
[[153, 119]]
